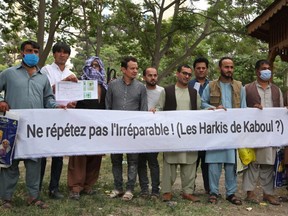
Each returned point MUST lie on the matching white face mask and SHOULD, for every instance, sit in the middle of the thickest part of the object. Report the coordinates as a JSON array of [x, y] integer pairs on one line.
[[265, 75]]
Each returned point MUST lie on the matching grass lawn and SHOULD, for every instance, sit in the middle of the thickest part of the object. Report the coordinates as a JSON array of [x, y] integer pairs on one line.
[[101, 204]]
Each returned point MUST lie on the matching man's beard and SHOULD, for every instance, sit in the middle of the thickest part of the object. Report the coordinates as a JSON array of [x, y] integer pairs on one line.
[[229, 76], [151, 83]]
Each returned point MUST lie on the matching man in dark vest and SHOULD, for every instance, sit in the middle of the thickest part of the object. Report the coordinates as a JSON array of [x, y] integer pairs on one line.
[[180, 97], [262, 93]]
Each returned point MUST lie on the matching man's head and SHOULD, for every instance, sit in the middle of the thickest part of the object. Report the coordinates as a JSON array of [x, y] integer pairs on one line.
[[30, 53], [5, 143], [61, 52], [129, 67], [150, 76], [200, 66], [183, 74], [263, 71], [226, 67]]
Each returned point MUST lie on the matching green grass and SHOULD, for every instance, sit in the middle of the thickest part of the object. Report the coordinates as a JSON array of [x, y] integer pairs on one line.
[[100, 204]]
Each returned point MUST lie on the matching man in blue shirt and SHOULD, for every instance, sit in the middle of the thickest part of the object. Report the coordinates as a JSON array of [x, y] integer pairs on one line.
[[200, 81], [25, 87]]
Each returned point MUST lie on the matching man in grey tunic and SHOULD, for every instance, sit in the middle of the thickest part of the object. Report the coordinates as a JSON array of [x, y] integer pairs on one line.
[[262, 93], [25, 87]]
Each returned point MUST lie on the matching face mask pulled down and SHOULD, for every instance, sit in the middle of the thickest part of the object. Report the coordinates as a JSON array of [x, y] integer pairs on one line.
[[265, 75], [31, 60]]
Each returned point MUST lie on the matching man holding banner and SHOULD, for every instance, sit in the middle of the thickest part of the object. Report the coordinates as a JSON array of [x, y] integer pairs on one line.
[[180, 97], [150, 75], [25, 87], [262, 93], [126, 93], [56, 72], [222, 94], [200, 66]]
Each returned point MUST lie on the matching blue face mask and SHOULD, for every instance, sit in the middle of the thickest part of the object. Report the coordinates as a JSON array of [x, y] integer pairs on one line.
[[265, 75], [31, 60]]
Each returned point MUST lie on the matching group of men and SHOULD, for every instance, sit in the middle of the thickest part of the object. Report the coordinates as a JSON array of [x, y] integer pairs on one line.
[[28, 87]]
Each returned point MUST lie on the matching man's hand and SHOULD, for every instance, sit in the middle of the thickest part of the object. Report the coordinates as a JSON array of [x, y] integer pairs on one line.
[[4, 106], [71, 78], [152, 110], [72, 104], [61, 106], [259, 106]]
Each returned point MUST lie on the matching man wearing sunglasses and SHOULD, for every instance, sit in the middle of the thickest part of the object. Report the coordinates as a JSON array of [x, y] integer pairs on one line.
[[180, 97]]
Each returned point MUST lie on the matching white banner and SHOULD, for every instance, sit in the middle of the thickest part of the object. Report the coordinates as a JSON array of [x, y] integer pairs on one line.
[[56, 132]]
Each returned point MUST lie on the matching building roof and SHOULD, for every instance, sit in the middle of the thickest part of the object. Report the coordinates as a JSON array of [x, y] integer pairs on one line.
[[260, 26]]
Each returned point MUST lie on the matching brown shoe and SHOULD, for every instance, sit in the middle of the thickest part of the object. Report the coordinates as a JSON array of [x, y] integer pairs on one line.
[[190, 197], [271, 199], [251, 197], [166, 197]]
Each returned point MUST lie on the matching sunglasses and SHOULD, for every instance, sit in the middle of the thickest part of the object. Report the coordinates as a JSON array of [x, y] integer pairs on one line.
[[186, 74]]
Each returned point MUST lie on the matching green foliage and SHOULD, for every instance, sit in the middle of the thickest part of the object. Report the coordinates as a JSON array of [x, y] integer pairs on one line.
[[116, 28]]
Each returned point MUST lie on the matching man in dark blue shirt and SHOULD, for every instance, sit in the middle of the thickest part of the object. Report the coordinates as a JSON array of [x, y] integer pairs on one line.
[[200, 81]]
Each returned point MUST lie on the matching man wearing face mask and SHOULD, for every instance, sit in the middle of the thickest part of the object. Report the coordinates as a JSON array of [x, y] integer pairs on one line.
[[262, 93], [25, 87]]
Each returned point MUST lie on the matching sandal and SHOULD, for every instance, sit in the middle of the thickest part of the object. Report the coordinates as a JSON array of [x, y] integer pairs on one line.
[[115, 193], [7, 204], [213, 199], [38, 203], [127, 196], [234, 200]]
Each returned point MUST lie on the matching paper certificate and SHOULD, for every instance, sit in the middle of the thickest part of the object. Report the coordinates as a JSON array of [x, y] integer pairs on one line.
[[72, 91]]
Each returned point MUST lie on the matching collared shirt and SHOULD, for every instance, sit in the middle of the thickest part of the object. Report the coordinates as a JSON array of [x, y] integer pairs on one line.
[[201, 87], [121, 96], [23, 91], [54, 73], [266, 96]]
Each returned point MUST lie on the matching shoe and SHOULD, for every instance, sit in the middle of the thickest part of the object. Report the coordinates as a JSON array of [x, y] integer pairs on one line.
[[190, 197], [116, 193], [74, 195], [144, 194], [55, 195], [234, 200], [251, 197], [128, 195], [38, 203], [271, 199], [155, 196], [166, 197]]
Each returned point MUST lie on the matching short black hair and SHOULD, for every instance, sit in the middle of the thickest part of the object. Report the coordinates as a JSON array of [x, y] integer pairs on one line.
[[126, 59], [199, 60], [224, 58], [144, 71], [34, 44], [183, 65], [59, 46], [261, 62]]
